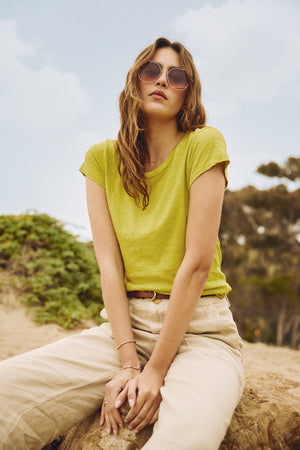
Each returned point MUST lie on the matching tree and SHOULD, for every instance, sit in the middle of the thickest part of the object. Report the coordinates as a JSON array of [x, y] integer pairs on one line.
[[290, 169], [260, 233]]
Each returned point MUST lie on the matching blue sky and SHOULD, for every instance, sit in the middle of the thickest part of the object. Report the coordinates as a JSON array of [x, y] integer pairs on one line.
[[63, 65]]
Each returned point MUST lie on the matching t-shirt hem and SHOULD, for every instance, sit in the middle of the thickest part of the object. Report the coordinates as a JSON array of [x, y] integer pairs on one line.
[[92, 177]]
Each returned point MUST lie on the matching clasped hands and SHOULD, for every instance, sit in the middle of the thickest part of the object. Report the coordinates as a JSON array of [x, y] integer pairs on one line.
[[143, 393]]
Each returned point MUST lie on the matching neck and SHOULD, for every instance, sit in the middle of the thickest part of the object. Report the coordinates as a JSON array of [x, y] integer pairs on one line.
[[161, 138]]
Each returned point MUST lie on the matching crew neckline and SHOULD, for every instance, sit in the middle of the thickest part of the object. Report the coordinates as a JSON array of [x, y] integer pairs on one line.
[[164, 165]]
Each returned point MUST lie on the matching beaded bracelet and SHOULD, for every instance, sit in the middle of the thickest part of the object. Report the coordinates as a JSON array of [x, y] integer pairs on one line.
[[132, 367], [126, 342]]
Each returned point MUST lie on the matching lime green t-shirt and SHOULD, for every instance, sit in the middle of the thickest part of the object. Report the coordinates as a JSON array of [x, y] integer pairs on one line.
[[152, 242]]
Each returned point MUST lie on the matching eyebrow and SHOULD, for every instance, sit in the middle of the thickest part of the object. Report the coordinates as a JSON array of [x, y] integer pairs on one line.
[[169, 67]]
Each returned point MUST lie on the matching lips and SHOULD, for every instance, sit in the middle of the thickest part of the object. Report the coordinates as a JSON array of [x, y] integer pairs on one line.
[[158, 94]]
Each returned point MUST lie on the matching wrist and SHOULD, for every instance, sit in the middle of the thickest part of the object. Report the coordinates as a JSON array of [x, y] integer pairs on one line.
[[157, 371], [128, 356], [129, 341], [136, 368], [130, 360]]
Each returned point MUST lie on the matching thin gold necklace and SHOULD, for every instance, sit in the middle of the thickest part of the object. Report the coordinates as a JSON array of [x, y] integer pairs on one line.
[[164, 154]]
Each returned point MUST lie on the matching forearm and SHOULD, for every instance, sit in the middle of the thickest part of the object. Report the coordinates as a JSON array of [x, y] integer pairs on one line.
[[206, 198], [112, 272], [187, 288], [117, 309]]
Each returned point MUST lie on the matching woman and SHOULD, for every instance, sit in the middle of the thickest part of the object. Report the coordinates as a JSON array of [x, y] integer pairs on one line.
[[171, 346]]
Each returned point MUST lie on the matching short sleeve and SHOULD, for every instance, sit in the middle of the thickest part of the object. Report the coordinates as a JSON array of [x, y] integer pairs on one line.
[[93, 165], [207, 149]]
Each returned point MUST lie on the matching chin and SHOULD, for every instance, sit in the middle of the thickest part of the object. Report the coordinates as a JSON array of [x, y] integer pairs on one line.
[[159, 113]]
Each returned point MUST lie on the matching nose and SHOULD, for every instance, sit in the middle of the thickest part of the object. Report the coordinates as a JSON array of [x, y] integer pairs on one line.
[[162, 79]]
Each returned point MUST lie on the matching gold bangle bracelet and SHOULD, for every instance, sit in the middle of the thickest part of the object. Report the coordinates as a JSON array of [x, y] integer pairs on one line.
[[131, 367], [126, 342]]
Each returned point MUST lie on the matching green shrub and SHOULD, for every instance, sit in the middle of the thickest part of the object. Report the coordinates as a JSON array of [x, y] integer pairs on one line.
[[58, 274]]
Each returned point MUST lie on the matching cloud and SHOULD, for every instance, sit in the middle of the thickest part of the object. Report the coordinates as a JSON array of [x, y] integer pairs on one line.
[[45, 128], [36, 100], [246, 51]]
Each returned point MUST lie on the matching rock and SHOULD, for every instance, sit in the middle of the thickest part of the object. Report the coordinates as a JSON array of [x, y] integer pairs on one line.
[[88, 435], [267, 417]]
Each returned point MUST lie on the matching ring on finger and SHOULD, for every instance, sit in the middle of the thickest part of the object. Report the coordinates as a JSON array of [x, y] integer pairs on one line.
[[144, 407], [104, 403]]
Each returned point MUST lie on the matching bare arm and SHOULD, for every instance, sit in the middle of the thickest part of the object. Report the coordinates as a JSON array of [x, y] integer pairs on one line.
[[114, 295], [206, 198], [112, 271]]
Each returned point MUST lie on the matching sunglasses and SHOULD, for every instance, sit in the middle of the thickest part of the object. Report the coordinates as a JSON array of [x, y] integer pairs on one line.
[[151, 71]]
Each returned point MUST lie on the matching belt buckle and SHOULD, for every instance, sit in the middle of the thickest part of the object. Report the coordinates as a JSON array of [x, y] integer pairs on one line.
[[154, 299]]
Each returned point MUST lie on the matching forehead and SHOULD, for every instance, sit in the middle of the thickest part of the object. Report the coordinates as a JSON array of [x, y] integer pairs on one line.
[[167, 57]]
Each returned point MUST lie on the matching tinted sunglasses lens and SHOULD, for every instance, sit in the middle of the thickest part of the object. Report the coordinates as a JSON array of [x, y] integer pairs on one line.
[[149, 71], [178, 79]]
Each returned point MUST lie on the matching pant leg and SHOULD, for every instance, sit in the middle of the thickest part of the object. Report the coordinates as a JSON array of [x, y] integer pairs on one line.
[[46, 391], [203, 385]]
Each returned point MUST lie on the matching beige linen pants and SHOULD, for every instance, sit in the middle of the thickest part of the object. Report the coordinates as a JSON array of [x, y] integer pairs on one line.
[[46, 391]]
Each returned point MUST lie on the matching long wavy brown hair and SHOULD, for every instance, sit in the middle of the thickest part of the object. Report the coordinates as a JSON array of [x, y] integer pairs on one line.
[[131, 144]]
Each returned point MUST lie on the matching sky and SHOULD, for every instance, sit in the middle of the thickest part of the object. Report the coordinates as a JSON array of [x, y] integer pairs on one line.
[[63, 65]]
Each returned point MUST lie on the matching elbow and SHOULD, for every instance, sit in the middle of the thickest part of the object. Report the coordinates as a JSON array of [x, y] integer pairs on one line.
[[199, 268], [199, 276], [110, 268], [201, 271], [196, 275]]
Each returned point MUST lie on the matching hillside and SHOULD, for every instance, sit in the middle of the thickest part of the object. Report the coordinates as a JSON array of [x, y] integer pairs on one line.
[[49, 270]]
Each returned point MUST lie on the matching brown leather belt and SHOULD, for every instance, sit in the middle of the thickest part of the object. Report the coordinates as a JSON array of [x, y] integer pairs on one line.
[[151, 295], [154, 296]]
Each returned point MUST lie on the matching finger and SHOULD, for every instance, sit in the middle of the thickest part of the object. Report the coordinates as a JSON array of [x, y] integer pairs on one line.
[[145, 414], [154, 417], [107, 424], [113, 420], [143, 399], [121, 397], [132, 388], [117, 418], [102, 414], [102, 418], [142, 418], [106, 416]]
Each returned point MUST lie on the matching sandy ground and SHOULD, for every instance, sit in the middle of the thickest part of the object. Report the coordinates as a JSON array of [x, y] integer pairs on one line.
[[19, 334]]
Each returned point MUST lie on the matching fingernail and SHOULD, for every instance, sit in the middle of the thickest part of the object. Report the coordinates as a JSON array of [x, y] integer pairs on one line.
[[131, 402], [117, 404], [136, 430], [115, 432], [107, 429], [130, 427]]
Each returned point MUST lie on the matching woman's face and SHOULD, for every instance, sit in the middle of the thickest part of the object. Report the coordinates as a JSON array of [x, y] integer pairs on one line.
[[160, 100]]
